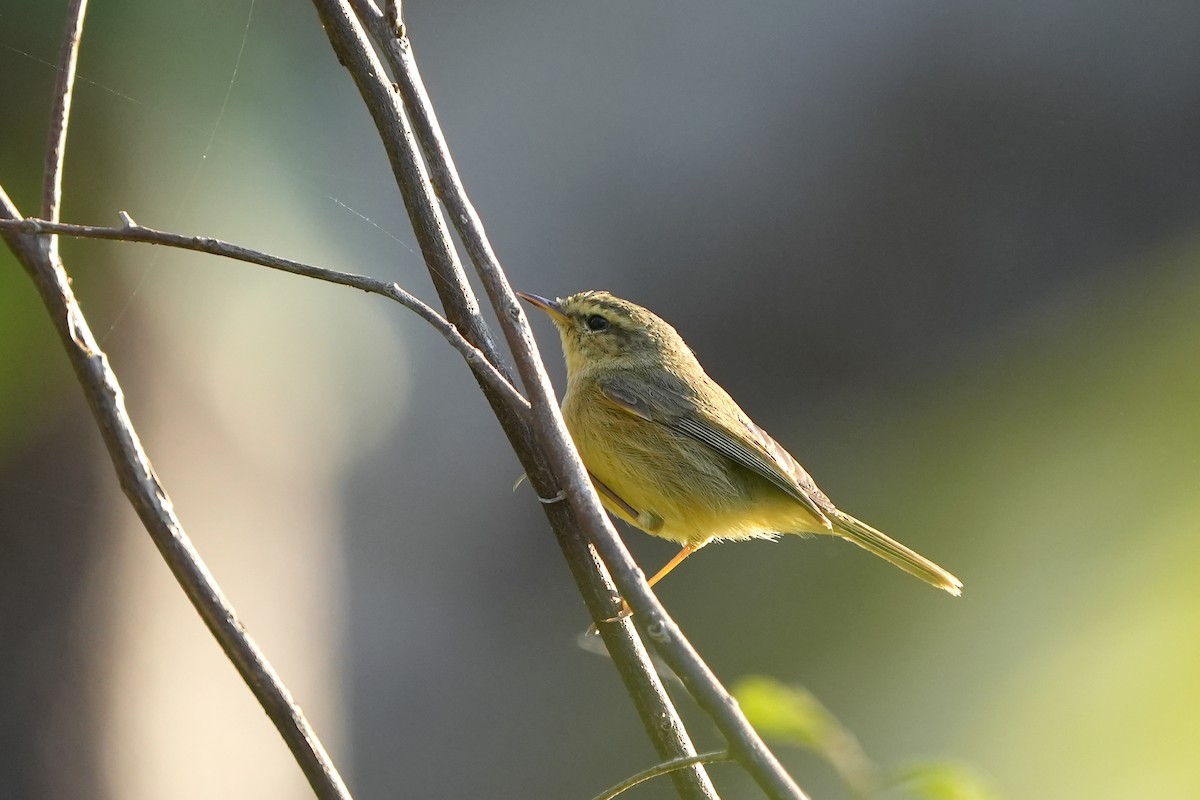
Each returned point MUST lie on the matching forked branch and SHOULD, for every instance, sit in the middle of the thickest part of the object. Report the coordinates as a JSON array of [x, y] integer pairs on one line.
[[131, 231], [38, 254], [668, 639], [545, 471]]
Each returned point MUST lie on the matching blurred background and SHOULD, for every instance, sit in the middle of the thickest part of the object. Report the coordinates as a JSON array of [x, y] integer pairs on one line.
[[947, 254]]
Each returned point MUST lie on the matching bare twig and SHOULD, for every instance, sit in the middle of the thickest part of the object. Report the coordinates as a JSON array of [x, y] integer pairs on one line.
[[658, 716], [60, 114], [131, 231], [154, 507], [715, 757], [675, 649]]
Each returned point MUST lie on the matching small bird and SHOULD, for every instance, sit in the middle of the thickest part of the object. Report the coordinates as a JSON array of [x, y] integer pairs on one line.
[[671, 453]]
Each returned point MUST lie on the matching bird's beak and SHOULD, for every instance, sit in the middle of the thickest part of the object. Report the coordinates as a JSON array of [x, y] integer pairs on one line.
[[551, 307]]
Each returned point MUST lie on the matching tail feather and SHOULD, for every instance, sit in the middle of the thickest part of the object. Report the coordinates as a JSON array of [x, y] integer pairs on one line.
[[881, 545]]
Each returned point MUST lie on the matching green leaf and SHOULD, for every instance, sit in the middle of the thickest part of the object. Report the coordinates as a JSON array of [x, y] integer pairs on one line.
[[792, 714], [943, 781]]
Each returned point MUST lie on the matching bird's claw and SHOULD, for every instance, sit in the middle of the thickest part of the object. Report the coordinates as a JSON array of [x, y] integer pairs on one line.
[[625, 613]]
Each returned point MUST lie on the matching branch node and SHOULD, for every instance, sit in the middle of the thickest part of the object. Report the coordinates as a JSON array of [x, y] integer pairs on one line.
[[393, 19], [128, 221], [658, 632]]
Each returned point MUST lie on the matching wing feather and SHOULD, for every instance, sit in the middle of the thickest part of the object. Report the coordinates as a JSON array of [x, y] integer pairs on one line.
[[728, 432]]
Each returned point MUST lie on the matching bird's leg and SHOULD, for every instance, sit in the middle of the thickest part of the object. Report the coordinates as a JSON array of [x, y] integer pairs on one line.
[[687, 550]]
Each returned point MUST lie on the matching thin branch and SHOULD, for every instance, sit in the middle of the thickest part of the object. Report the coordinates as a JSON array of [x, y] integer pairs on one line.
[[715, 757], [60, 115], [658, 715], [133, 232], [152, 504], [670, 642], [136, 233]]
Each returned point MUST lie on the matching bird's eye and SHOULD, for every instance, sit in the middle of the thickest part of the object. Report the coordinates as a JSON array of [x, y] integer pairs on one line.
[[597, 323]]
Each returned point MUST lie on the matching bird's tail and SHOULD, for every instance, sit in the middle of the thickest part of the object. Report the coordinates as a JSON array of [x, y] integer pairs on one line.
[[881, 545]]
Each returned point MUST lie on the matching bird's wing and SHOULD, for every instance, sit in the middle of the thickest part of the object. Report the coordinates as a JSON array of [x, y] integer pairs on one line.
[[726, 430]]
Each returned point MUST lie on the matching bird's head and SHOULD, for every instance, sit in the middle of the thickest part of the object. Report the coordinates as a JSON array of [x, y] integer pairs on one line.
[[602, 331]]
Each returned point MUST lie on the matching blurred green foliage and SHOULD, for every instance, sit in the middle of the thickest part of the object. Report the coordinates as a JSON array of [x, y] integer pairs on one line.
[[942, 781], [32, 369], [793, 715]]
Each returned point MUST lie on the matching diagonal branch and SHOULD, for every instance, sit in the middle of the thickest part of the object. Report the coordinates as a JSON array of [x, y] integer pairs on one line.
[[670, 642], [40, 259], [658, 715], [133, 232], [153, 506]]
